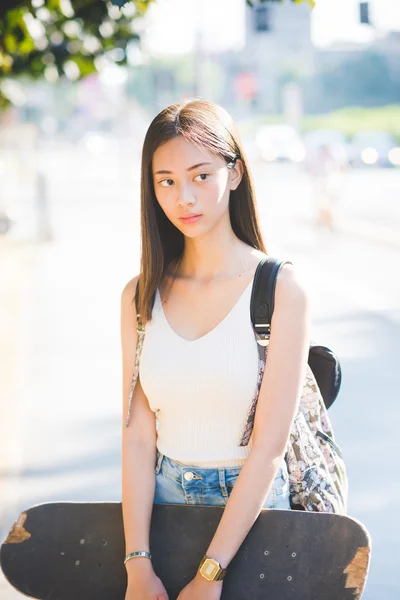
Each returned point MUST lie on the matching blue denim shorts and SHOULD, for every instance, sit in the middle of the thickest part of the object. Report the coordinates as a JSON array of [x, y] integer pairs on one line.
[[178, 483]]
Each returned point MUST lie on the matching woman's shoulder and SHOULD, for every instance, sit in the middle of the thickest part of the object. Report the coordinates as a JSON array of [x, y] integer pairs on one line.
[[291, 289], [288, 274], [128, 295], [290, 282], [130, 287]]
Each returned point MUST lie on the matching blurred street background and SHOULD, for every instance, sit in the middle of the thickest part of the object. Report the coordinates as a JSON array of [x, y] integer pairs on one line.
[[316, 95]]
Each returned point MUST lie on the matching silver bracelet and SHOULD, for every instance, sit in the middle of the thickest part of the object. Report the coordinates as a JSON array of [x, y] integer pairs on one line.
[[135, 555]]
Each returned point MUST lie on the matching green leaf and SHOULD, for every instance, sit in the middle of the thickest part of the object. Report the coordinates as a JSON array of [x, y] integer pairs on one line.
[[85, 64], [142, 5], [53, 5], [10, 43], [26, 46]]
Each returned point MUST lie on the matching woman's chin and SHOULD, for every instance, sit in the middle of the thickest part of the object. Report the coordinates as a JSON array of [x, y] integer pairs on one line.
[[191, 231]]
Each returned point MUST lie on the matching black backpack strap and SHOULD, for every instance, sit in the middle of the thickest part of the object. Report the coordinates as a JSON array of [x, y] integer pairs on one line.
[[263, 299]]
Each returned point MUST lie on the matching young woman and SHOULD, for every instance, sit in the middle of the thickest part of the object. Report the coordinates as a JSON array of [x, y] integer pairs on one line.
[[201, 244]]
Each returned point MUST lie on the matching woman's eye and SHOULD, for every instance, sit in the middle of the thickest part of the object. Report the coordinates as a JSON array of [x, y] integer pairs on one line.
[[202, 175], [169, 182], [165, 181]]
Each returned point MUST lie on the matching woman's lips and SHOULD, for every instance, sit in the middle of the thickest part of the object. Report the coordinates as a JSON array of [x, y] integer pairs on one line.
[[190, 219]]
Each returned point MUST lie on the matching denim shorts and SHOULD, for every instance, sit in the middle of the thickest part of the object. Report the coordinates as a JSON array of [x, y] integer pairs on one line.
[[178, 483]]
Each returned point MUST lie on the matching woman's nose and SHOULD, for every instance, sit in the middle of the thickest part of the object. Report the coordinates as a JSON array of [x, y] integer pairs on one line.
[[186, 196]]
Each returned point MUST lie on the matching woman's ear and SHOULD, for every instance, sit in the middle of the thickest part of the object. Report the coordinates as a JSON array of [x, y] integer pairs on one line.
[[236, 174]]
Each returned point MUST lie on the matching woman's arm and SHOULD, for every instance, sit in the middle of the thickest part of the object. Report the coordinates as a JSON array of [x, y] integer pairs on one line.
[[138, 446], [280, 393]]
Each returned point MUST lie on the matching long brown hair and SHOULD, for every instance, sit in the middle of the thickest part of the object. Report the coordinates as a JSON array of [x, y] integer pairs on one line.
[[211, 128]]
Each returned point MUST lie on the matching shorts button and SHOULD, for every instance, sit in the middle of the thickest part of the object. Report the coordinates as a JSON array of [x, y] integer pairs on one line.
[[189, 476]]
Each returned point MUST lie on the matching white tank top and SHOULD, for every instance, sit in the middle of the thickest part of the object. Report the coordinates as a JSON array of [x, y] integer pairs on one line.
[[201, 390]]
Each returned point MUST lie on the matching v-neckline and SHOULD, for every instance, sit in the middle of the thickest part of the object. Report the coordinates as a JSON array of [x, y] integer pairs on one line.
[[209, 333]]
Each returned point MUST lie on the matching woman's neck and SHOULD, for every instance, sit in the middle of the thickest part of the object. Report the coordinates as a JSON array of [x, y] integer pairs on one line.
[[204, 261]]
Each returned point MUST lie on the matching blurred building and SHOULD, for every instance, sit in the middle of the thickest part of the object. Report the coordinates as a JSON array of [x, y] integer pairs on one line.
[[353, 73], [278, 49], [386, 46], [389, 46]]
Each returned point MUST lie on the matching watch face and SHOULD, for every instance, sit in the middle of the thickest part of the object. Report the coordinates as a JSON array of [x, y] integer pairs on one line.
[[209, 569]]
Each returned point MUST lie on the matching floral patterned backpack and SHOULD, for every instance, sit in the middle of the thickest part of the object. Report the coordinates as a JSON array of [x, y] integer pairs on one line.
[[317, 473]]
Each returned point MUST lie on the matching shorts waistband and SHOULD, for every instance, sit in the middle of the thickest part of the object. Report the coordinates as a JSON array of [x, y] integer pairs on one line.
[[217, 476], [179, 471]]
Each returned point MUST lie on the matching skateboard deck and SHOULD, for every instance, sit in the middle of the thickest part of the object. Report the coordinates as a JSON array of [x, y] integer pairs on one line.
[[75, 551]]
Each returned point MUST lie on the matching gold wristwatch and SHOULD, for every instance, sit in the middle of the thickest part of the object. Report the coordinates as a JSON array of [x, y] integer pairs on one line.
[[210, 569]]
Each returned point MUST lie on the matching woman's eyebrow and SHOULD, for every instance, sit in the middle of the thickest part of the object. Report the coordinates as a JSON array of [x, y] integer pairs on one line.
[[164, 172]]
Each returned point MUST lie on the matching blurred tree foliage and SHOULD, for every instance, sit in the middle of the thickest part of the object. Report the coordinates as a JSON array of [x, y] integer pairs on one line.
[[57, 38]]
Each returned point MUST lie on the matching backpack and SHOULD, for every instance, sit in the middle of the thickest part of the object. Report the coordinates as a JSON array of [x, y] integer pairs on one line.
[[317, 473]]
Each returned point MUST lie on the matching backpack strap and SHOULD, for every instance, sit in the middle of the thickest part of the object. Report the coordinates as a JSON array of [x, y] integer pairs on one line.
[[263, 299], [261, 309]]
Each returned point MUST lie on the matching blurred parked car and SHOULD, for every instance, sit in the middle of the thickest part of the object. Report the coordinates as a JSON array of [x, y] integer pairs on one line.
[[280, 143], [374, 148]]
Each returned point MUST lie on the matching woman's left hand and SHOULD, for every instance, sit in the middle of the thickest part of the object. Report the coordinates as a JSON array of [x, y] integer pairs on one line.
[[201, 589]]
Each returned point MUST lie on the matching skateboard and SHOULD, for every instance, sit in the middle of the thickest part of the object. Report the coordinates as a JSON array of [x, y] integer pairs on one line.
[[75, 551]]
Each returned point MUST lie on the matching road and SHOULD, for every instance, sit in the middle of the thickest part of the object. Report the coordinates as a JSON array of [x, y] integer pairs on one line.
[[68, 402]]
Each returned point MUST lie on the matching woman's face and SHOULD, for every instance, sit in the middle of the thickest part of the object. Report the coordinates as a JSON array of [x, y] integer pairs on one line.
[[190, 181]]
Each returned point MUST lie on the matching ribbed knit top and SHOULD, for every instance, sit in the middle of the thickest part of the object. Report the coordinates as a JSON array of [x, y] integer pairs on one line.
[[201, 390]]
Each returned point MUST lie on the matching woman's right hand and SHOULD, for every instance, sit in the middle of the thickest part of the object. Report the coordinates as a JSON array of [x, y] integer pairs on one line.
[[143, 583]]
